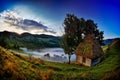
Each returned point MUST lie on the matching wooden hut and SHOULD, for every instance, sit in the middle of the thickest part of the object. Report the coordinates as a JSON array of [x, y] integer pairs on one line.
[[89, 52]]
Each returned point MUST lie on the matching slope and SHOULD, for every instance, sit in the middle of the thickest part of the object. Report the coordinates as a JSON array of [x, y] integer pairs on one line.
[[14, 66]]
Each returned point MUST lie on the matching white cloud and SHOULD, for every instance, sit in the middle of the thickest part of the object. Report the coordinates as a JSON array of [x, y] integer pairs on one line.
[[12, 20]]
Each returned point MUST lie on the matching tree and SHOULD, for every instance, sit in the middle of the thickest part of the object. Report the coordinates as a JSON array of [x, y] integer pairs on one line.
[[74, 29], [67, 48], [91, 28], [73, 34]]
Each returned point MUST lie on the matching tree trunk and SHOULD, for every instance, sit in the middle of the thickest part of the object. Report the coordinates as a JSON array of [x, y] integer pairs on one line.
[[69, 56]]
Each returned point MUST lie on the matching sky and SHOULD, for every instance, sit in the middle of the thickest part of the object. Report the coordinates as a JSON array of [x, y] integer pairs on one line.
[[47, 16]]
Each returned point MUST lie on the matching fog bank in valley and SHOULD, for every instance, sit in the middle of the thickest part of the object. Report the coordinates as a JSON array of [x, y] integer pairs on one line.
[[49, 54]]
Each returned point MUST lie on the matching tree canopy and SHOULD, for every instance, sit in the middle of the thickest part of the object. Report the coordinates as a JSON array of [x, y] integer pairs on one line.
[[75, 29]]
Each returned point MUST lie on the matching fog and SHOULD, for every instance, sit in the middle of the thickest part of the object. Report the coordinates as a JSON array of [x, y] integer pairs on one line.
[[49, 54]]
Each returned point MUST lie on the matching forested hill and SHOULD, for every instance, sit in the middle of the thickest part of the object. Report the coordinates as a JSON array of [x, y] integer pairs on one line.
[[14, 40]]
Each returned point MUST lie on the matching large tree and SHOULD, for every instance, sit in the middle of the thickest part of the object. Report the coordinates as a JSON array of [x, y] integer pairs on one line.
[[75, 28], [92, 28], [65, 45]]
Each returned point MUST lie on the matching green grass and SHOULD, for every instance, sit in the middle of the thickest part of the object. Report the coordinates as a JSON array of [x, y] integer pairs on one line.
[[15, 66]]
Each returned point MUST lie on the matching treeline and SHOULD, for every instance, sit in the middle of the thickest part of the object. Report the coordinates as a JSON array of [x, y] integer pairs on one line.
[[14, 40]]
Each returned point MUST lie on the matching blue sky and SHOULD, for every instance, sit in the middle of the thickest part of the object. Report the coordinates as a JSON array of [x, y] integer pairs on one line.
[[51, 13]]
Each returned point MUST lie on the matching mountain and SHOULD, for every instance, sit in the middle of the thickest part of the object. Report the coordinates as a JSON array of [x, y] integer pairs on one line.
[[14, 40], [108, 41]]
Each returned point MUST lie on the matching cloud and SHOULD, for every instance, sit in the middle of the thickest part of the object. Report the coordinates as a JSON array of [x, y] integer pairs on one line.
[[11, 21]]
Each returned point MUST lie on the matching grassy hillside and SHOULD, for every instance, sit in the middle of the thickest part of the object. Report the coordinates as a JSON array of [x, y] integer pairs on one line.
[[14, 66]]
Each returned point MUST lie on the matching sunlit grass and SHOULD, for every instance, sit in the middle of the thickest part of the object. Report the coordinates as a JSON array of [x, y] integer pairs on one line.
[[21, 67]]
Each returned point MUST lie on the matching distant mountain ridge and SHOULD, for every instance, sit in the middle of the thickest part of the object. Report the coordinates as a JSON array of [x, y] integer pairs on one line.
[[14, 40], [108, 41]]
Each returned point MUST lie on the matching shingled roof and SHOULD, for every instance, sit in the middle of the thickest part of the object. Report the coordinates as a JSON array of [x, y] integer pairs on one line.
[[89, 48]]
